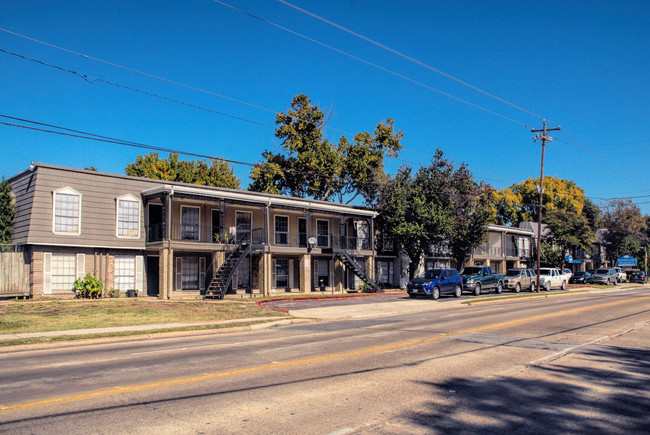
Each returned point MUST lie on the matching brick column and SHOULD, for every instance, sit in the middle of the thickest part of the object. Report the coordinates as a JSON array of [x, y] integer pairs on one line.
[[304, 281]]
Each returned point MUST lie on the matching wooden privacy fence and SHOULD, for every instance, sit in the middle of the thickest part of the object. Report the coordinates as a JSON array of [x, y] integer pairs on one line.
[[14, 275]]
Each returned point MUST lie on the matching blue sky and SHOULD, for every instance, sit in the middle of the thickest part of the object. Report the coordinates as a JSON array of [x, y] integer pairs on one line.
[[581, 64]]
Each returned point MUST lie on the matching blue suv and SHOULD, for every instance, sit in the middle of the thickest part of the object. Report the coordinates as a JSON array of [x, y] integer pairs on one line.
[[436, 282]]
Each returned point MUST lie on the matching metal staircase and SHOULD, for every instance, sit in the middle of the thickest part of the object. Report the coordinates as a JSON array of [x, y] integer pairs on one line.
[[222, 278], [350, 263]]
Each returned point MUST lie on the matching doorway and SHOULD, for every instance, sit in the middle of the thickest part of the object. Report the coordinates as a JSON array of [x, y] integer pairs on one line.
[[153, 275]]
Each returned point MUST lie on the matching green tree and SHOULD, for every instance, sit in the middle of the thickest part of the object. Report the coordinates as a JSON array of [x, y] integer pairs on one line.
[[311, 166], [624, 223], [435, 204], [592, 213], [569, 231], [217, 173], [7, 212]]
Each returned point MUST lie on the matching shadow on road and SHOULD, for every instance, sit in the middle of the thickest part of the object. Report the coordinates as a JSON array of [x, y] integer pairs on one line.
[[610, 396]]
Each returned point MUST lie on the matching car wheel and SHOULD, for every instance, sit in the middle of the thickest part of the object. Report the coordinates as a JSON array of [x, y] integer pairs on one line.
[[615, 282], [563, 285], [532, 287], [477, 289], [435, 293], [458, 291], [499, 288], [517, 288]]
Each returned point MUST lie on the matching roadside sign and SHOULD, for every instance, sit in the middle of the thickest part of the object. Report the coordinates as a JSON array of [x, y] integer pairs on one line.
[[626, 261]]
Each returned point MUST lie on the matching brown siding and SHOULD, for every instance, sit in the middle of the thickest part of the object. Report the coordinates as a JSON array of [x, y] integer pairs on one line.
[[22, 186], [98, 207]]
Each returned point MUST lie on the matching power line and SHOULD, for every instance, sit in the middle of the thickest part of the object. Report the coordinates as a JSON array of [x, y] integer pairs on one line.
[[408, 58], [370, 63], [151, 94]]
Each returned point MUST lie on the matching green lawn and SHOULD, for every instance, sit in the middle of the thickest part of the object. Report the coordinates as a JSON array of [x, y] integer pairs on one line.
[[58, 315]]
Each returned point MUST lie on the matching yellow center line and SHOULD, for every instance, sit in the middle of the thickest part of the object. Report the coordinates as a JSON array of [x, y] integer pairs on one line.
[[291, 363]]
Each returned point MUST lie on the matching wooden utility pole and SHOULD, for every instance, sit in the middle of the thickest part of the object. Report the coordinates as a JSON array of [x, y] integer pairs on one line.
[[543, 138]]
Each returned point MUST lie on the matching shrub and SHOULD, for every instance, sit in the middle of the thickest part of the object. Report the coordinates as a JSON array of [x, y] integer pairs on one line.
[[88, 287], [113, 293]]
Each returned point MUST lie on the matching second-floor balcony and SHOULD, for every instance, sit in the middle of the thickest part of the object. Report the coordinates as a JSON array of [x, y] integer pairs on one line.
[[496, 251], [206, 234], [209, 234]]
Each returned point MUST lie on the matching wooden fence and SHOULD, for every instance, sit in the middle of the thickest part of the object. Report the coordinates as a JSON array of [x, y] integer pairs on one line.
[[14, 275]]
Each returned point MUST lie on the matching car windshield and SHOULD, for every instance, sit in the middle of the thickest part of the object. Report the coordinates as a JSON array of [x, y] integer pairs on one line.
[[580, 273], [472, 270], [512, 272], [430, 274], [602, 271]]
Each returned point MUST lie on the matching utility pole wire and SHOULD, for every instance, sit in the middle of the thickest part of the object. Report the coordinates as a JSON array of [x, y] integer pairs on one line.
[[403, 77], [409, 58]]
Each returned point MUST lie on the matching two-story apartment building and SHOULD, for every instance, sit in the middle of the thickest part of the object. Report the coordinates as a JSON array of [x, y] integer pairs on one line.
[[166, 239], [505, 248]]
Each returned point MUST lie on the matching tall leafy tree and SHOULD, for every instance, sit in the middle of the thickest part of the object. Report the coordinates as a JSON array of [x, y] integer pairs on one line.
[[215, 173], [623, 221], [436, 203], [312, 166], [569, 230], [7, 212], [519, 202]]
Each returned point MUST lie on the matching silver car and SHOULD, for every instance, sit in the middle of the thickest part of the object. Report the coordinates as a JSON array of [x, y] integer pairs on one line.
[[604, 275]]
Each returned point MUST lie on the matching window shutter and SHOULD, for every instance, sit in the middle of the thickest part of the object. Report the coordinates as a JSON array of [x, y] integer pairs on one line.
[[290, 273], [201, 273], [273, 275], [179, 273], [315, 273], [139, 275], [47, 272], [81, 265]]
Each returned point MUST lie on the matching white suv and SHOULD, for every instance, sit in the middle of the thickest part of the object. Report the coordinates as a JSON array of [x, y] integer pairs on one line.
[[620, 275]]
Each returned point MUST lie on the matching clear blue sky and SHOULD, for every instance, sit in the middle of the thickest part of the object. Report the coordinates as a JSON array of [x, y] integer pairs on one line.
[[582, 64]]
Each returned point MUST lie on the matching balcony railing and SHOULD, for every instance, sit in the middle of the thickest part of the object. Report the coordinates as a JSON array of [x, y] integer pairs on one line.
[[488, 251], [517, 252], [209, 234], [206, 234]]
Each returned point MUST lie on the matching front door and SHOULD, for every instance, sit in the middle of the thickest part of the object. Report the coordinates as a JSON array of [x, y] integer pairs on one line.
[[152, 275]]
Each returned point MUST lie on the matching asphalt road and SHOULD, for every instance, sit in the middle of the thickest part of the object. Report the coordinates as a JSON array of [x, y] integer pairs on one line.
[[577, 363]]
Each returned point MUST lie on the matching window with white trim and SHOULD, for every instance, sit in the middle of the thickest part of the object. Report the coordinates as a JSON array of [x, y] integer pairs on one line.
[[281, 230], [323, 231], [125, 272], [64, 268], [128, 216], [190, 219], [190, 273], [66, 211]]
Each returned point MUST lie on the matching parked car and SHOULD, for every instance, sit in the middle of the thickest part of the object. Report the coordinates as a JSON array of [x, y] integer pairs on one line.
[[435, 282], [638, 276], [579, 278], [550, 277], [479, 278], [568, 273], [621, 276], [604, 275], [516, 279]]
